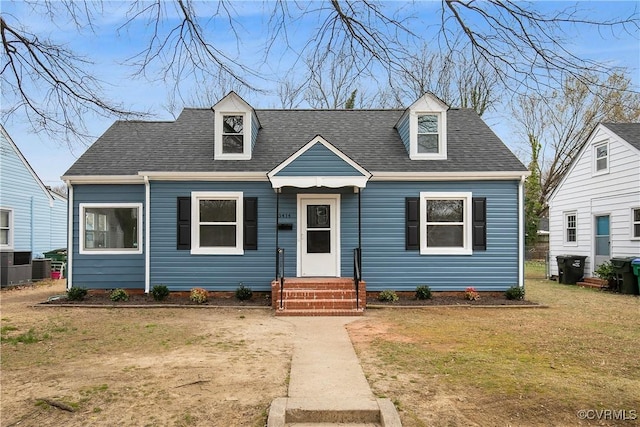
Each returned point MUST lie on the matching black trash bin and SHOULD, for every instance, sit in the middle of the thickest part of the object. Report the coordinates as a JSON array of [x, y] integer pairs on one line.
[[624, 275], [570, 268]]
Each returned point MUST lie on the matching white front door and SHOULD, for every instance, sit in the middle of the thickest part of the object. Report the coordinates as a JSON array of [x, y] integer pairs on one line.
[[319, 235]]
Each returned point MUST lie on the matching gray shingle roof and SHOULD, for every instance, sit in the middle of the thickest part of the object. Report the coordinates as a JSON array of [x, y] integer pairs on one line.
[[367, 136], [630, 132]]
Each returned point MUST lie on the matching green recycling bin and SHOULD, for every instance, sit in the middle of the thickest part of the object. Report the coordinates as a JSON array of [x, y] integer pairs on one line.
[[570, 268], [57, 255], [624, 272], [635, 265]]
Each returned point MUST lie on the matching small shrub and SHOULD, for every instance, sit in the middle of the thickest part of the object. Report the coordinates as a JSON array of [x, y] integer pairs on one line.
[[160, 292], [423, 292], [471, 294], [76, 294], [243, 293], [388, 296], [199, 295], [515, 293], [119, 295], [605, 271]]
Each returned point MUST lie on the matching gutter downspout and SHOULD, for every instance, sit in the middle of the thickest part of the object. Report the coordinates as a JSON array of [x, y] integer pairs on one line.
[[70, 235], [521, 232], [147, 234]]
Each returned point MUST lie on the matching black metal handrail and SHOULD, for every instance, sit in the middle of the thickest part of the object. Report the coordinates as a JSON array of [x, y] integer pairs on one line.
[[280, 273], [357, 273]]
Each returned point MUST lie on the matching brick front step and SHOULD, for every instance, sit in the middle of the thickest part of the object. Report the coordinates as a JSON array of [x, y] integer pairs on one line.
[[319, 296], [319, 312], [292, 294], [325, 304]]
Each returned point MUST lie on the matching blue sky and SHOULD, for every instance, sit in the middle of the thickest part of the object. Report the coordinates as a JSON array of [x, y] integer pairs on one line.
[[108, 46]]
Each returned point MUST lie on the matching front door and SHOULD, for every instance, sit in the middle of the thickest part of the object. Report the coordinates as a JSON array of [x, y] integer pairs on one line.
[[602, 240], [319, 235]]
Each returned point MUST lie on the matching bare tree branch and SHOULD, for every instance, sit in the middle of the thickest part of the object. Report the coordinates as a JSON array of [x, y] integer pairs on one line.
[[52, 85]]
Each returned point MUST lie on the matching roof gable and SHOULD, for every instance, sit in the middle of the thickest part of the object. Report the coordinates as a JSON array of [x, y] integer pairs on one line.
[[26, 164], [318, 163], [601, 133]]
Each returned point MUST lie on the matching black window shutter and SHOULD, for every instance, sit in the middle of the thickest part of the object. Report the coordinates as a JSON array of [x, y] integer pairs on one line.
[[184, 223], [479, 223], [250, 223], [412, 220]]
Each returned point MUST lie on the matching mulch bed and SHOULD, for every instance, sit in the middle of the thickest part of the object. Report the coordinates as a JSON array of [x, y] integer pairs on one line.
[[263, 301], [449, 300], [141, 299]]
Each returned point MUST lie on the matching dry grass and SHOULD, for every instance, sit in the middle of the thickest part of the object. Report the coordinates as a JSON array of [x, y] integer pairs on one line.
[[164, 367], [451, 366]]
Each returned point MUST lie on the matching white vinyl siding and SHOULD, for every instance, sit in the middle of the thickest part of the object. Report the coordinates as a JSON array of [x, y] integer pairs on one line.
[[591, 195], [216, 223]]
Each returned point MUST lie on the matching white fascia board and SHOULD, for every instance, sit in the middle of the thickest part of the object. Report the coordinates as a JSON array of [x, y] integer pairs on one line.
[[103, 179], [319, 181], [448, 176], [205, 176]]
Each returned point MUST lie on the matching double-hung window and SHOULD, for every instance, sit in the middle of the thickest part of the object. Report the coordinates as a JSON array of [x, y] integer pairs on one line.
[[601, 158], [233, 134], [570, 228], [110, 228], [428, 134], [635, 223], [446, 223], [6, 228], [217, 223]]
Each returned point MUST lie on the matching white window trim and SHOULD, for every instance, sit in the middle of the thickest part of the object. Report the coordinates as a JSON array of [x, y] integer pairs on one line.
[[9, 244], [565, 234], [246, 136], [196, 196], [633, 223], [442, 136], [467, 248], [595, 158], [110, 251]]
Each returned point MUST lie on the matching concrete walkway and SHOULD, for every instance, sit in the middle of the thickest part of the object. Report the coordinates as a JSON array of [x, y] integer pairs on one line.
[[327, 384]]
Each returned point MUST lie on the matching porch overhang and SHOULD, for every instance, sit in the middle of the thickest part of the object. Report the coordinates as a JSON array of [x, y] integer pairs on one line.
[[318, 181], [318, 164]]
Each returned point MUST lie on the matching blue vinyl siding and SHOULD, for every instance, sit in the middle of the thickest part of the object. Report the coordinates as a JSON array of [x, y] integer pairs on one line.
[[318, 160], [179, 270], [39, 220], [106, 271], [403, 131], [387, 265]]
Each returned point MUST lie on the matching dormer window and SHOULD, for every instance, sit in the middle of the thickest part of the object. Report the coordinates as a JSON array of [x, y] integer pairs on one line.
[[428, 133], [423, 129], [428, 139], [236, 129], [232, 134]]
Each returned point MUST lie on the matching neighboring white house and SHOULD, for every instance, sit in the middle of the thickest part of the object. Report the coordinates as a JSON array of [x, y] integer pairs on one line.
[[595, 210]]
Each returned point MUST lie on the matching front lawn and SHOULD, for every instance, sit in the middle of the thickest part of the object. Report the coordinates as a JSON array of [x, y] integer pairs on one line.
[[506, 366]]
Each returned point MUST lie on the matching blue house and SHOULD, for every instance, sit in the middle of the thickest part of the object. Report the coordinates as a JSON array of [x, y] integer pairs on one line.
[[33, 219], [395, 198]]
